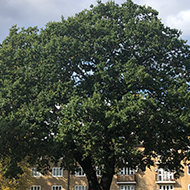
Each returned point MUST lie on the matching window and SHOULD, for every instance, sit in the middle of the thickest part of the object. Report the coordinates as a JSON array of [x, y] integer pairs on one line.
[[188, 170], [127, 187], [79, 172], [98, 171], [126, 171], [35, 173], [57, 172], [35, 187], [56, 187], [79, 187], [165, 175], [166, 187]]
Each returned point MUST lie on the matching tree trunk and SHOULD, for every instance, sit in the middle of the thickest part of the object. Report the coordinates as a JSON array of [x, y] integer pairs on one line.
[[107, 177], [90, 174], [93, 183], [106, 181]]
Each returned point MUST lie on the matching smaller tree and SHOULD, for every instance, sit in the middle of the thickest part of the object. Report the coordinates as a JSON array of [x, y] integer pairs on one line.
[[20, 181]]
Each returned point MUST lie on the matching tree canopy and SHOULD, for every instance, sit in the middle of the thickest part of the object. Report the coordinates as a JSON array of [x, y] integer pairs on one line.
[[94, 87]]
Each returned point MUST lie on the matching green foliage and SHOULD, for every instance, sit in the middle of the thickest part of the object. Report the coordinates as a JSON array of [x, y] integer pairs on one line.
[[93, 87], [19, 181]]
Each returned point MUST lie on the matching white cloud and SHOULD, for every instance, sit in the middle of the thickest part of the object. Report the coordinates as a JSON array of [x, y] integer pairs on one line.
[[180, 21], [173, 13], [25, 13]]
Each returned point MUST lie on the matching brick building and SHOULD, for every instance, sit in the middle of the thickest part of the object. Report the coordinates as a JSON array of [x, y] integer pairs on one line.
[[154, 178]]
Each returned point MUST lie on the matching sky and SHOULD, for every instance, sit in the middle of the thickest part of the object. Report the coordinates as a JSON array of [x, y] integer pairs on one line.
[[25, 13]]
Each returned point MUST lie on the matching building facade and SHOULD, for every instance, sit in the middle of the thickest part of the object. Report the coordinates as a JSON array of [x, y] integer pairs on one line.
[[154, 178]]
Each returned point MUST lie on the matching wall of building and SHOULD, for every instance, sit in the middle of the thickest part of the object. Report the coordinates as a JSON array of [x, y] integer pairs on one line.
[[147, 180]]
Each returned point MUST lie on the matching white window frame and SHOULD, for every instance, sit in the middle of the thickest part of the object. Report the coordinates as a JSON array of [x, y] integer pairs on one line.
[[167, 187], [165, 175], [127, 171], [188, 169], [56, 187], [57, 172], [80, 187], [35, 187], [35, 173], [79, 172], [98, 172], [127, 187]]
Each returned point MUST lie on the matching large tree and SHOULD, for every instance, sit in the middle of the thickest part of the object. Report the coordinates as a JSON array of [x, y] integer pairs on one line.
[[92, 88]]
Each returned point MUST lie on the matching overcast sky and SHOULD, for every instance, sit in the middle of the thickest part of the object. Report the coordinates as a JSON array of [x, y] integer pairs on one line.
[[25, 13]]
